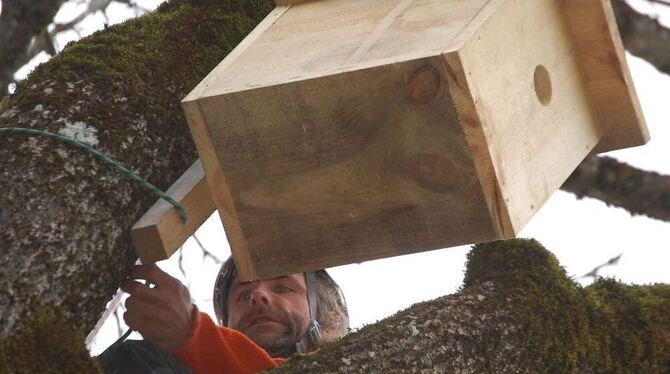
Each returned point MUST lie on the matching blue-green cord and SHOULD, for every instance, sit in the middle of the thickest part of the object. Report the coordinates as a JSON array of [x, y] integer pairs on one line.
[[102, 157]]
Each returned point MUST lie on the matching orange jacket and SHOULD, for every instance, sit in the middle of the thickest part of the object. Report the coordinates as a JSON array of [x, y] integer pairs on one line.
[[213, 349]]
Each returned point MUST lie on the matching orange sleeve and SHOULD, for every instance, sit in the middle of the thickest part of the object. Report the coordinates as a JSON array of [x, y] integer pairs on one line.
[[213, 349]]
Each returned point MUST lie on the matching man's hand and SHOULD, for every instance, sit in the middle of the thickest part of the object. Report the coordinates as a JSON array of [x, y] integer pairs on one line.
[[163, 314]]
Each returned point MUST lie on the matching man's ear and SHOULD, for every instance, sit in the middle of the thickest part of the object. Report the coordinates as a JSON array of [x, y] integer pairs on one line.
[[331, 329]]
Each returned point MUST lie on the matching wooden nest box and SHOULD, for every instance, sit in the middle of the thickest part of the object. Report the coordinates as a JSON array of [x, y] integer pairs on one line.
[[341, 131]]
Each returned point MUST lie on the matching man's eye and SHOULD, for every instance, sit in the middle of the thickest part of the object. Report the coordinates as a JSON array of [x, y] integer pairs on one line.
[[282, 289], [244, 296]]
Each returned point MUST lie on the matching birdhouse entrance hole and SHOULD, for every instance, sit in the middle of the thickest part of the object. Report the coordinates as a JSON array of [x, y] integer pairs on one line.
[[542, 85]]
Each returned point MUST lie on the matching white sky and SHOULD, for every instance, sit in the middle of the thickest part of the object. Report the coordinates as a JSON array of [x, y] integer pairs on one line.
[[581, 233]]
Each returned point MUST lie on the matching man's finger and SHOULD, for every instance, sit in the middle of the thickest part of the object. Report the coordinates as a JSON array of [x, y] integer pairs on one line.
[[139, 290], [152, 273], [145, 325], [141, 307]]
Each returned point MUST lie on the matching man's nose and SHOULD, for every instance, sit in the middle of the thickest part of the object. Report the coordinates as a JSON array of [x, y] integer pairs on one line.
[[259, 296]]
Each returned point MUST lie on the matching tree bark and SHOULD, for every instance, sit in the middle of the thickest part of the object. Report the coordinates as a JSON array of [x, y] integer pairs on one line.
[[621, 185], [643, 36], [66, 218]]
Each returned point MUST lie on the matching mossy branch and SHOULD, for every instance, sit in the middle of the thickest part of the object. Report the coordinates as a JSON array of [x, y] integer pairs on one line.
[[517, 312]]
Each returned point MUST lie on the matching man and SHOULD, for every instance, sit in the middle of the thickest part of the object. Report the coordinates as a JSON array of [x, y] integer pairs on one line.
[[263, 322]]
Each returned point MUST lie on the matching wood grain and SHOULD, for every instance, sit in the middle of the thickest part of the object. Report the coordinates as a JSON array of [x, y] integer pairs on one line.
[[534, 146], [342, 131], [607, 77], [347, 168], [334, 36], [160, 232]]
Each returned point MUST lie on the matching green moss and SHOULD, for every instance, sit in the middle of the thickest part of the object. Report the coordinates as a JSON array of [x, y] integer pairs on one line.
[[616, 327], [516, 260], [517, 312], [45, 343], [637, 321]]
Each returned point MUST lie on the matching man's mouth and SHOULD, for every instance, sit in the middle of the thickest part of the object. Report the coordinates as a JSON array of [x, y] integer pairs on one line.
[[260, 319]]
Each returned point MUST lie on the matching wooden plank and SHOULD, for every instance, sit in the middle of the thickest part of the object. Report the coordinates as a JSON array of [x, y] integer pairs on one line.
[[160, 232], [607, 77], [290, 2], [366, 33], [216, 181], [535, 114], [349, 167], [201, 89], [481, 154], [341, 131]]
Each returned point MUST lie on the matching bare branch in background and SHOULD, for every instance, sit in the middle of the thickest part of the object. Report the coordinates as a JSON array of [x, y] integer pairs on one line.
[[611, 262], [181, 266], [94, 6], [205, 252], [662, 2], [24, 31], [616, 183], [644, 36], [20, 21]]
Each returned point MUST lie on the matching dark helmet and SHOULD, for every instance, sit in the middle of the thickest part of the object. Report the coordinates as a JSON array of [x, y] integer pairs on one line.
[[324, 298]]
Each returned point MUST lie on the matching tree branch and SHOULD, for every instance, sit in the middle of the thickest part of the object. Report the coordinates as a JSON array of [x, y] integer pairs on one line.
[[643, 36], [517, 313], [20, 21], [618, 184], [29, 36]]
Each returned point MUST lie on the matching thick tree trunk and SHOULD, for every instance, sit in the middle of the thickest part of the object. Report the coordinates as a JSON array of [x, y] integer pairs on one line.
[[517, 313], [65, 217]]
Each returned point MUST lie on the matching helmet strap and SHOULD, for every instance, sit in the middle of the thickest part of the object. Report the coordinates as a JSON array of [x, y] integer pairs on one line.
[[313, 333]]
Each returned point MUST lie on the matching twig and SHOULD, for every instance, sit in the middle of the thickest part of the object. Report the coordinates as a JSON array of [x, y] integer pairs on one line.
[[181, 266], [611, 262], [205, 252], [662, 2]]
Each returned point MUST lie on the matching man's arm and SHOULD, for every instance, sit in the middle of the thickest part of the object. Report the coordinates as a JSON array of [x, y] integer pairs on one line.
[[164, 315]]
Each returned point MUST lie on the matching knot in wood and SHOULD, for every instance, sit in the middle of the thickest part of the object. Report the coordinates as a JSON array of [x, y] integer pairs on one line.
[[424, 85]]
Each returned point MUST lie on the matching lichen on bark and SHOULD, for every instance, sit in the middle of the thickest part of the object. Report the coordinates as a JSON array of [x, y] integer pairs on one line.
[[517, 312]]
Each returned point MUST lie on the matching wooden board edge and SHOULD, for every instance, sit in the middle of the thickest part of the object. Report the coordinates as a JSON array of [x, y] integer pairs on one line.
[[475, 24], [602, 18], [148, 244], [269, 20], [219, 190], [160, 232], [459, 87]]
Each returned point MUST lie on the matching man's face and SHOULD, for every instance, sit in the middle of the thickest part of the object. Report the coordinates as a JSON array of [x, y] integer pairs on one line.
[[274, 313]]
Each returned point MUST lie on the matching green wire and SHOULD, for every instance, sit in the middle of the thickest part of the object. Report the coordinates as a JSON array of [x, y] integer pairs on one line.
[[102, 157]]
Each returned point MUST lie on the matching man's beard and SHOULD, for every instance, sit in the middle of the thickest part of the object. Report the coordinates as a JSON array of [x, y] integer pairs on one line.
[[283, 345]]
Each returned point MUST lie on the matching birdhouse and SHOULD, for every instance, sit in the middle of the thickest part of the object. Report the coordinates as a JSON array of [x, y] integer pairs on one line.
[[341, 131]]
